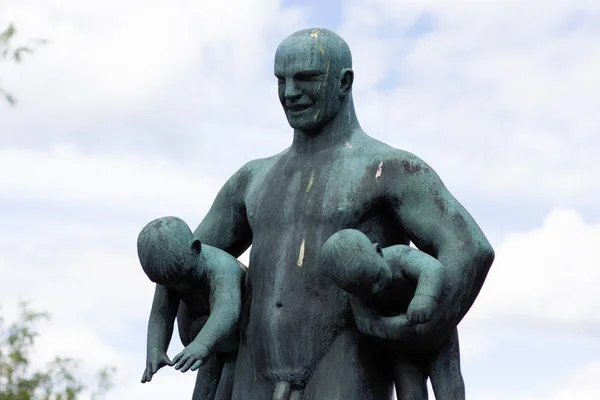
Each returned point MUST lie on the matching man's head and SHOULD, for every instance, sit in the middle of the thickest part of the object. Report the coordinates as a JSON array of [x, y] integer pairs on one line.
[[355, 264], [314, 72], [167, 250]]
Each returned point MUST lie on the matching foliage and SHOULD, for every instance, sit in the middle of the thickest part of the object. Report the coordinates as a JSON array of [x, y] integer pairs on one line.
[[10, 52], [56, 381]]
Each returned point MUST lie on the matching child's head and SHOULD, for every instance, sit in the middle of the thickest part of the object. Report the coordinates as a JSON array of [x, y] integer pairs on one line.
[[167, 250], [355, 264]]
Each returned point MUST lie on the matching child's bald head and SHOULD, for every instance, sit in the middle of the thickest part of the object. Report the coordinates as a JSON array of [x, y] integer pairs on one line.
[[167, 249], [355, 263]]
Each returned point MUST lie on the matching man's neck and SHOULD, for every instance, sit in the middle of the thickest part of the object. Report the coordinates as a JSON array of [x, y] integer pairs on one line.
[[336, 132]]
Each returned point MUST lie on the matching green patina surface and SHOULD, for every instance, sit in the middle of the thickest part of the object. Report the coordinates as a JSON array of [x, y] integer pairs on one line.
[[304, 332]]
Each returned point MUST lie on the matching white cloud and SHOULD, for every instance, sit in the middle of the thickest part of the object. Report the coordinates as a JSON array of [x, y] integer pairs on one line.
[[142, 109], [65, 175], [545, 276], [145, 76], [508, 86], [581, 384], [124, 52], [98, 297]]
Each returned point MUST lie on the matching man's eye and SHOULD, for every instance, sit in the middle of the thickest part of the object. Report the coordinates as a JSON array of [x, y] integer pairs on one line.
[[280, 81], [310, 78]]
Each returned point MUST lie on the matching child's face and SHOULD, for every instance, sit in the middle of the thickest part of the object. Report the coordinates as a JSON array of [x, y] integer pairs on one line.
[[380, 278], [186, 281], [380, 282]]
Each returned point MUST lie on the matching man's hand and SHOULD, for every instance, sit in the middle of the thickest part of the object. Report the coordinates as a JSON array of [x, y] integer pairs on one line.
[[192, 357], [370, 322], [155, 360], [420, 309]]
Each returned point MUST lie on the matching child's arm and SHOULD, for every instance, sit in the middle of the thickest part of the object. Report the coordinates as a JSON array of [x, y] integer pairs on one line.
[[427, 271], [225, 281], [160, 330]]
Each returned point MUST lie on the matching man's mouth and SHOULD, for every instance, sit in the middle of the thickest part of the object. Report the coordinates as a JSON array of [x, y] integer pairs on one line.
[[298, 107]]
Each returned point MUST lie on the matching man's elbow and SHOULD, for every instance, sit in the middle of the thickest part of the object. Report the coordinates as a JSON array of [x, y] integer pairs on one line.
[[484, 255]]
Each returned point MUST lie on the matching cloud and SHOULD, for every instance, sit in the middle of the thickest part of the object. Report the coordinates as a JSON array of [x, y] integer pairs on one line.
[[142, 109], [545, 276], [98, 297], [65, 175], [508, 86], [581, 384], [145, 76]]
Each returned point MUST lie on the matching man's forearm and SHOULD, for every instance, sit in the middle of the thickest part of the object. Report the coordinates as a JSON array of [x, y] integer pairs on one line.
[[474, 264]]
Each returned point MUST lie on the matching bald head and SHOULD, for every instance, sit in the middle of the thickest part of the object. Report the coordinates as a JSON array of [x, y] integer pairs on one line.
[[314, 71], [320, 42], [355, 263]]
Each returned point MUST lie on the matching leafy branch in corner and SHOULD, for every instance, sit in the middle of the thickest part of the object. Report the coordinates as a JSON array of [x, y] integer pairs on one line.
[[56, 381], [12, 53]]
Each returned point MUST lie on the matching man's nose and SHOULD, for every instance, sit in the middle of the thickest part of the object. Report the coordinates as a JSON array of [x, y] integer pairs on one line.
[[291, 91]]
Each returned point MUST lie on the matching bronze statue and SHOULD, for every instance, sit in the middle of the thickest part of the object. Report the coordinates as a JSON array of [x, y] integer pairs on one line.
[[396, 283], [298, 333], [202, 287]]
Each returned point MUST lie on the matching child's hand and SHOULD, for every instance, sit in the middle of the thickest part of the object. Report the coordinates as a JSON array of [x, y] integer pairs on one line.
[[420, 309], [155, 360], [193, 356]]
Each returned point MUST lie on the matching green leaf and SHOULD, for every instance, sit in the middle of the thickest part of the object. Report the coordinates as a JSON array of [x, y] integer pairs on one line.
[[58, 380], [17, 54], [7, 34]]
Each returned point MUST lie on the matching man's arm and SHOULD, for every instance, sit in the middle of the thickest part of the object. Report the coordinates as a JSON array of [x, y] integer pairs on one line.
[[226, 224], [440, 226]]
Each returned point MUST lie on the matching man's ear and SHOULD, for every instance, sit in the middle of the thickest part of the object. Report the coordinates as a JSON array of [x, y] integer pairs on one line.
[[346, 81], [196, 246]]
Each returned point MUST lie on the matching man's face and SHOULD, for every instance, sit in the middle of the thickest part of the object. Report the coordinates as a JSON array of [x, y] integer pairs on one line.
[[308, 83]]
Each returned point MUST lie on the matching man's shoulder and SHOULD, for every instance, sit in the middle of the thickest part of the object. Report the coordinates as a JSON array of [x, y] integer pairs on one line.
[[244, 176], [255, 166], [392, 158]]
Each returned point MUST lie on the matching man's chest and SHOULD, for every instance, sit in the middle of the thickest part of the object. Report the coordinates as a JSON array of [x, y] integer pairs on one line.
[[330, 192]]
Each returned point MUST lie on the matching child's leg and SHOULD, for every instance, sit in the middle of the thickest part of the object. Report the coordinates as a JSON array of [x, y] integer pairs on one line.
[[207, 378], [444, 370], [208, 375], [188, 324], [410, 378], [225, 388]]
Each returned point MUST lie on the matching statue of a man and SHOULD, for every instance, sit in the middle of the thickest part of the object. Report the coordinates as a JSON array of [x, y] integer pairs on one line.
[[299, 339]]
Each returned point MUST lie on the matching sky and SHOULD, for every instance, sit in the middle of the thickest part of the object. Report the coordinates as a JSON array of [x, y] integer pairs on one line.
[[140, 109]]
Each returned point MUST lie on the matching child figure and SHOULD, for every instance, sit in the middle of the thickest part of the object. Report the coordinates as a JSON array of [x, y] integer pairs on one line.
[[384, 280], [201, 286]]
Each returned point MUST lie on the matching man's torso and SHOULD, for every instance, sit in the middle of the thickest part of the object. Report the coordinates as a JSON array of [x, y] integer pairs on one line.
[[293, 204]]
